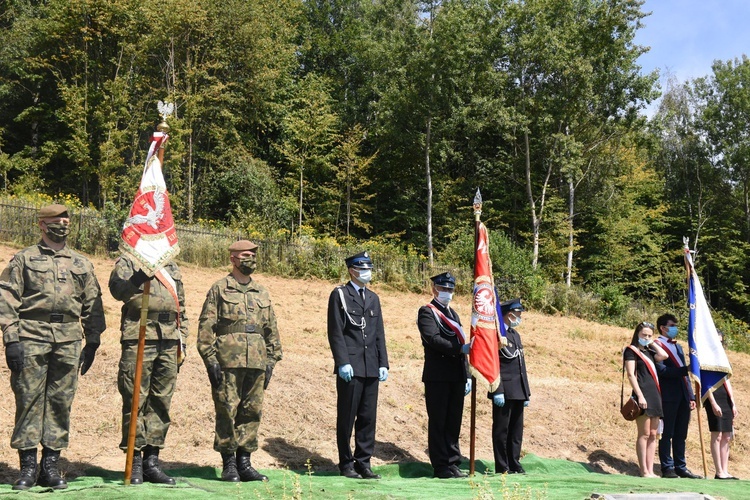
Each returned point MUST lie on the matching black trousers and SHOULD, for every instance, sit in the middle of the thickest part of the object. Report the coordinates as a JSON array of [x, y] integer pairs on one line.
[[445, 407], [356, 408], [672, 442], [507, 435]]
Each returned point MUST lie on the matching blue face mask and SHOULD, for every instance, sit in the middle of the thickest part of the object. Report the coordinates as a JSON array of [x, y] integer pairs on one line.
[[671, 332], [644, 342]]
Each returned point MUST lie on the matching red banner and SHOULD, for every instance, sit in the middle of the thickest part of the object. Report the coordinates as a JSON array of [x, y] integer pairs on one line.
[[483, 357], [149, 234]]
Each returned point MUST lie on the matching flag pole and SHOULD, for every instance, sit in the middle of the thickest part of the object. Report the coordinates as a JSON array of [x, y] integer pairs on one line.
[[473, 430], [162, 127], [697, 388]]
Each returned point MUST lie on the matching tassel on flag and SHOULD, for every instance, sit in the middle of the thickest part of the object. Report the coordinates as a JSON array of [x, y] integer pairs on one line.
[[483, 358], [709, 365], [149, 235]]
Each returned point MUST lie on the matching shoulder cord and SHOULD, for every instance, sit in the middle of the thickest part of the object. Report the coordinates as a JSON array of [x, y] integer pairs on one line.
[[362, 323], [505, 352]]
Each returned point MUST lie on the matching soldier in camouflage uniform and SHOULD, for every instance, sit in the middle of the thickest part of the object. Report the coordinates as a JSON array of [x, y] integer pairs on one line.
[[166, 331], [49, 301], [239, 343]]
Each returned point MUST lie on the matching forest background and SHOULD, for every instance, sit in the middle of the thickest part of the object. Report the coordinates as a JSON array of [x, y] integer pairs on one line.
[[370, 124]]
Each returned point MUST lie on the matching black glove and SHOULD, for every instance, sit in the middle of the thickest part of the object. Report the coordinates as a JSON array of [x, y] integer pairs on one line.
[[214, 375], [14, 356], [269, 372], [139, 278], [87, 357]]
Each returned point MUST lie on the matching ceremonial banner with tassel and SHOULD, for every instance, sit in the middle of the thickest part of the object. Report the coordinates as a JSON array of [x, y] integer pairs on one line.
[[709, 365], [150, 239], [483, 358]]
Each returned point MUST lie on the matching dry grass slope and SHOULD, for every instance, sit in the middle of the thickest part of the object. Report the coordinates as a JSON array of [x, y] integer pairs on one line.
[[574, 370]]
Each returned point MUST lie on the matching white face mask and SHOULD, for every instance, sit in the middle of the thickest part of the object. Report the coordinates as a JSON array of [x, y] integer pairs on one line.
[[445, 297], [515, 321], [365, 275]]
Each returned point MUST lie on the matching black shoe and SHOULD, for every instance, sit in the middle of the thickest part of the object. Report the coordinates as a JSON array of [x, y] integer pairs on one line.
[[27, 477], [444, 474], [151, 470], [350, 473], [687, 474], [246, 470], [518, 470], [457, 472], [136, 471], [49, 473], [229, 468], [669, 474], [366, 472]]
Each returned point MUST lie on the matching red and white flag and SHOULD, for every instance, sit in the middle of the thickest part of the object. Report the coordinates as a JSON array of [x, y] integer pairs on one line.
[[149, 235], [484, 361]]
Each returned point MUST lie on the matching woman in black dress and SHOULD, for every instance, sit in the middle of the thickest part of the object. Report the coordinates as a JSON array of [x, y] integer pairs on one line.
[[640, 358], [720, 413]]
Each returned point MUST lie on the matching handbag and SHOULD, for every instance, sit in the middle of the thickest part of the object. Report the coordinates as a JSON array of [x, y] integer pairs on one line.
[[630, 409]]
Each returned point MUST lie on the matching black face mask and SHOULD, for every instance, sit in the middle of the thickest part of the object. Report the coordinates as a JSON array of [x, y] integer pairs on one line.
[[57, 231], [247, 265]]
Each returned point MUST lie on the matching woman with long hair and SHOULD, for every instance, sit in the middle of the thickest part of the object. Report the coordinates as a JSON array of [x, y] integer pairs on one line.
[[640, 359]]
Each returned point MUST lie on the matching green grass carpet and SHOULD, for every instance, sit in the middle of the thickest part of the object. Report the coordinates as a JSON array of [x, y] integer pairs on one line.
[[545, 478]]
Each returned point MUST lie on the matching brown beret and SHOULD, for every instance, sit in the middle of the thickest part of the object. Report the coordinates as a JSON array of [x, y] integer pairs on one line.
[[54, 210], [242, 246]]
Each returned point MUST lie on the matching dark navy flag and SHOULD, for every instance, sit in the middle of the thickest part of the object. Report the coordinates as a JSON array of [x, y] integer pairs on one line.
[[709, 365], [501, 323]]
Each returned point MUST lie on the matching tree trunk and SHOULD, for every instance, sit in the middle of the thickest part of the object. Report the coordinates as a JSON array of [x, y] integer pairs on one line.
[[532, 203], [429, 190], [571, 205], [301, 170]]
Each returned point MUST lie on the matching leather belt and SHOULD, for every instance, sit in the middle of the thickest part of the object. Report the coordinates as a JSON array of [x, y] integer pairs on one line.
[[49, 317], [235, 328], [160, 316]]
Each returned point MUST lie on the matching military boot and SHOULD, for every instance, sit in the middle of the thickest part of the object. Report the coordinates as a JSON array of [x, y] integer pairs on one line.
[[229, 473], [49, 473], [27, 477], [246, 470], [151, 471], [136, 471]]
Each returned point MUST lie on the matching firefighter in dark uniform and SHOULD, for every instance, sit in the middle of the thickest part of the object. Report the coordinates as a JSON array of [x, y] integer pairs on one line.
[[357, 340], [511, 396], [445, 375]]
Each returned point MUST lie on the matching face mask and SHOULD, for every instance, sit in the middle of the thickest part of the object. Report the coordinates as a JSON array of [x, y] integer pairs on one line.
[[365, 275], [515, 322], [644, 342], [57, 231], [671, 332], [445, 297], [247, 265]]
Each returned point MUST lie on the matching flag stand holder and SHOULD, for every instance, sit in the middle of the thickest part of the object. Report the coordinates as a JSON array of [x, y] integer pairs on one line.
[[698, 406], [473, 429]]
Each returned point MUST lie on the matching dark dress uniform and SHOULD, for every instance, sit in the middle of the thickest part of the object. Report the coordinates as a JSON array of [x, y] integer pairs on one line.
[[357, 338], [507, 420], [676, 395], [444, 375]]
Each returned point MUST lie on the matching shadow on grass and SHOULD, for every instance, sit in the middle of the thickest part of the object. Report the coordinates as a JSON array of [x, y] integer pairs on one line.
[[598, 458], [293, 457]]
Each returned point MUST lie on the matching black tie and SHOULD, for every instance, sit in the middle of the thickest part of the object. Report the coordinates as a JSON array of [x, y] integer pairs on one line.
[[362, 294]]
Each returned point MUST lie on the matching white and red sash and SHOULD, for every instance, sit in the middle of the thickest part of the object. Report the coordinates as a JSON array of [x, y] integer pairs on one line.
[[671, 349], [649, 364], [449, 323], [165, 279]]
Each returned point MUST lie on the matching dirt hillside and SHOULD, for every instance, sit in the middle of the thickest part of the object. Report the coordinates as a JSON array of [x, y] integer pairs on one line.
[[574, 372]]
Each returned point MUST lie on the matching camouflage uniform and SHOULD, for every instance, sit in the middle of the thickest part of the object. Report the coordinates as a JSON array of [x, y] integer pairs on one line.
[[48, 301], [159, 375], [237, 330]]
